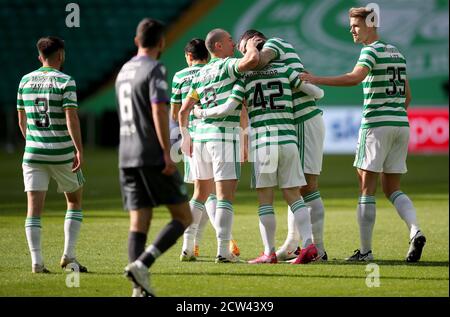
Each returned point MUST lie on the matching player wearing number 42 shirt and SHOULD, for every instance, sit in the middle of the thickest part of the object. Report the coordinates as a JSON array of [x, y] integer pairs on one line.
[[310, 130], [273, 147], [384, 134]]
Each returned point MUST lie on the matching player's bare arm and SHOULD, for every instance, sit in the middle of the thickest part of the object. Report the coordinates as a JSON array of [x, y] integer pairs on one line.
[[183, 114], [161, 120], [265, 57], [73, 126], [408, 96], [174, 109], [244, 134], [183, 120], [22, 116], [251, 57], [350, 79]]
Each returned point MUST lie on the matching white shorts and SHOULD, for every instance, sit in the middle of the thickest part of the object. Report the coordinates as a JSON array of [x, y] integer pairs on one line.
[[277, 165], [188, 170], [36, 177], [311, 136], [382, 149], [217, 160]]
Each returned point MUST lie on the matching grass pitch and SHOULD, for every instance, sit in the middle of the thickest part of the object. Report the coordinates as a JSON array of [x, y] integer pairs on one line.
[[102, 244]]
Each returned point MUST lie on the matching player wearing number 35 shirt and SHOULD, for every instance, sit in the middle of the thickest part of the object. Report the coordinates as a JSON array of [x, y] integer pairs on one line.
[[384, 134]]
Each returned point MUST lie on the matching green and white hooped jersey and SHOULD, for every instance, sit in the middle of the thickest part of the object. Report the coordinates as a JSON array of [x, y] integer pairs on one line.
[[304, 105], [181, 84], [43, 95], [384, 86], [212, 85], [268, 94]]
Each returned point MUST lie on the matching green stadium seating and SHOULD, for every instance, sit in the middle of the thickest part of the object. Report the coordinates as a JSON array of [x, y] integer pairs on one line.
[[93, 52]]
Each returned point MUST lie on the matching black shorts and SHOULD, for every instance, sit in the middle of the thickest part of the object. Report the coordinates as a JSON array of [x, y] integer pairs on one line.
[[144, 187]]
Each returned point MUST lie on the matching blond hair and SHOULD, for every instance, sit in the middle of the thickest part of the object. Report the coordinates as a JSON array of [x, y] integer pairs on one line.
[[361, 12]]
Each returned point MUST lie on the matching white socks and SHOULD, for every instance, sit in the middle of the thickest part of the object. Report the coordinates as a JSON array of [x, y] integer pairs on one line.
[[72, 225], [267, 227], [197, 209], [210, 207], [293, 238], [204, 219], [33, 233], [406, 211], [366, 219], [315, 204], [302, 221], [317, 213], [367, 214], [223, 224]]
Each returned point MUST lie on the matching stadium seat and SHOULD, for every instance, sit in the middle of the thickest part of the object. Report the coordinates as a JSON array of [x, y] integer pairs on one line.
[[93, 51]]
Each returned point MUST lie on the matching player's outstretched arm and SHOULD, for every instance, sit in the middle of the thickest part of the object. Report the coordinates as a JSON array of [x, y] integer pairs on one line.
[[311, 90], [350, 79], [73, 126], [216, 112], [307, 88]]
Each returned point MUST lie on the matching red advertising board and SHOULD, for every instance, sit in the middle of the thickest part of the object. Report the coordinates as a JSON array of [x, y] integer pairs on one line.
[[428, 130]]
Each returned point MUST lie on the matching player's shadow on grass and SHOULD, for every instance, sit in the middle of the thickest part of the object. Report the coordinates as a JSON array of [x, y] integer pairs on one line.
[[343, 262], [271, 274], [389, 262], [304, 275]]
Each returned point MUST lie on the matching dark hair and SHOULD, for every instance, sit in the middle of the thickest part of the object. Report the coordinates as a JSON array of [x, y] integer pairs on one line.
[[249, 34], [197, 48], [49, 45], [149, 32]]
